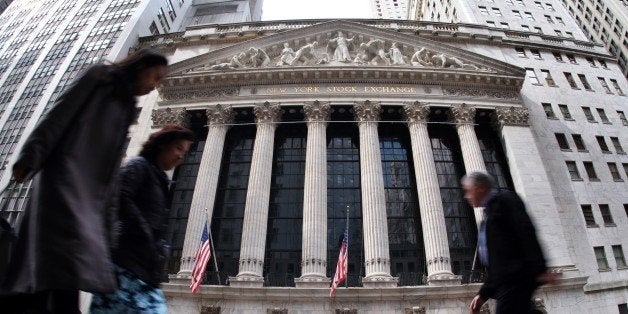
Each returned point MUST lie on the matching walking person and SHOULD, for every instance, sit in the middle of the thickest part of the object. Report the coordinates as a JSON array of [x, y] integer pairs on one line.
[[141, 248], [73, 155], [507, 246]]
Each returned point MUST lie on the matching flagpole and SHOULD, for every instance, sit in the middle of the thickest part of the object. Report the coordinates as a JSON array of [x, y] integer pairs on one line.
[[347, 245], [211, 243]]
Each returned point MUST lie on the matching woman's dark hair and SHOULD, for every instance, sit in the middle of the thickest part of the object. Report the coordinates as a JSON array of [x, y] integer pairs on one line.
[[167, 135], [142, 59]]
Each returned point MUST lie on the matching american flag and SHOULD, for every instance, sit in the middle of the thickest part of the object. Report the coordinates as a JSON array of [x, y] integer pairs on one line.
[[200, 261], [341, 266]]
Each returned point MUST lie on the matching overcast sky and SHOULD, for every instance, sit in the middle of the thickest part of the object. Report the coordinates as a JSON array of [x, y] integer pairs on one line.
[[315, 9]]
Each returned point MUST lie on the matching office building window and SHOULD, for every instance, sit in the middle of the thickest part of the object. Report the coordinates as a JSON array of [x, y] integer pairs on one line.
[[525, 28], [528, 16], [536, 53], [483, 10], [490, 23], [565, 112], [591, 62], [497, 12], [612, 167], [562, 141], [588, 114], [577, 139], [600, 256], [606, 214], [588, 167], [620, 261], [558, 32], [153, 28], [549, 19], [585, 83], [548, 78], [571, 58], [571, 80], [538, 30], [617, 145], [521, 52], [532, 76], [603, 63], [602, 115], [505, 25], [588, 215], [573, 171], [616, 87], [549, 112], [604, 85], [560, 20], [622, 117], [602, 143], [517, 14]]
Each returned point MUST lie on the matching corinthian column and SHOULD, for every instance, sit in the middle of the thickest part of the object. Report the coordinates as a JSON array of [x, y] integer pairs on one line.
[[176, 116], [218, 118], [374, 222], [430, 201], [255, 222], [314, 248], [532, 182], [464, 116]]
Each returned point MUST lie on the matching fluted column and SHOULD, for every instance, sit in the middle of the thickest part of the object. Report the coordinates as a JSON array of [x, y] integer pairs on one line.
[[374, 222], [430, 201], [464, 117], [255, 222], [532, 182], [218, 118], [314, 248]]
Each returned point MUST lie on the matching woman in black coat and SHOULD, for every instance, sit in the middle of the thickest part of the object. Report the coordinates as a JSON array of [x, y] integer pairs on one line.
[[141, 249], [74, 154]]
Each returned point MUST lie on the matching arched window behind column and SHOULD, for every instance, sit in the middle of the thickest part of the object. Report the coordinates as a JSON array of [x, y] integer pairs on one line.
[[492, 151], [405, 235], [231, 196], [459, 217], [343, 189], [285, 213], [181, 191]]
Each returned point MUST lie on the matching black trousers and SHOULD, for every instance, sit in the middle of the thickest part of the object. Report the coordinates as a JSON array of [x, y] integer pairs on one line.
[[515, 298], [43, 302]]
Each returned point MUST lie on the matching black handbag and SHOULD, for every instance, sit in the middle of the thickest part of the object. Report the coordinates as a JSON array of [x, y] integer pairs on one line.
[[8, 232]]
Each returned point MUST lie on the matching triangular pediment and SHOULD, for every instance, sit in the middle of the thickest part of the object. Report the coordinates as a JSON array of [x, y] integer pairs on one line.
[[342, 50]]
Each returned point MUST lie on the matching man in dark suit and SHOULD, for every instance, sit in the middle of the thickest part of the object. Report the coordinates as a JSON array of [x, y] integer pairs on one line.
[[507, 246]]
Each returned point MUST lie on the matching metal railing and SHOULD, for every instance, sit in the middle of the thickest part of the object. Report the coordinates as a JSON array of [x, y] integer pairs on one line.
[[411, 279], [473, 276], [216, 278]]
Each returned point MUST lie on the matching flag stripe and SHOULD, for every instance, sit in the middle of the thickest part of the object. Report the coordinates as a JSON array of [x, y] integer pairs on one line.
[[341, 265], [200, 262]]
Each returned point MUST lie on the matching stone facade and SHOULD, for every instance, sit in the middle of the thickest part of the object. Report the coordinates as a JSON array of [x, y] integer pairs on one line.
[[454, 75]]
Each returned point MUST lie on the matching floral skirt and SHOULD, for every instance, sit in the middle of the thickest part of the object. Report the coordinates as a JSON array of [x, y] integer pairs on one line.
[[133, 296]]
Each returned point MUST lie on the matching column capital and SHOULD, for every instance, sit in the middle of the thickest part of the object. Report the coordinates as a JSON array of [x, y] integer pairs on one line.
[[267, 112], [317, 111], [511, 116], [176, 116], [463, 114], [416, 112], [220, 114], [367, 111]]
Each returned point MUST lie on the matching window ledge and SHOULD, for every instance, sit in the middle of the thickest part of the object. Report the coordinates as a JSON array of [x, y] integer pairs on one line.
[[607, 122], [537, 84], [577, 180], [552, 118], [618, 180], [610, 93], [566, 149], [604, 270], [594, 179], [621, 94], [589, 90], [622, 267], [612, 224], [553, 85], [570, 119], [606, 152], [583, 150], [593, 226], [561, 61], [576, 88], [621, 153], [591, 121]]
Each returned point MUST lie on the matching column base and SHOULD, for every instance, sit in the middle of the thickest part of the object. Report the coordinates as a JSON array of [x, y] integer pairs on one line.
[[182, 277], [446, 279], [312, 282], [380, 281], [246, 281]]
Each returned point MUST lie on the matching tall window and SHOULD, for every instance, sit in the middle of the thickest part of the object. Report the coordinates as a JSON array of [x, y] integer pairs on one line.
[[617, 145], [622, 117], [606, 214], [536, 53], [602, 143], [532, 76], [548, 78], [602, 115], [600, 256], [283, 240], [493, 153], [612, 167], [587, 212], [571, 58], [520, 52], [565, 111], [618, 252], [577, 139], [343, 189], [616, 87], [585, 83], [529, 16], [233, 181], [571, 80], [405, 236], [459, 217], [604, 85], [573, 170], [549, 112], [562, 141], [558, 56], [588, 166], [588, 114]]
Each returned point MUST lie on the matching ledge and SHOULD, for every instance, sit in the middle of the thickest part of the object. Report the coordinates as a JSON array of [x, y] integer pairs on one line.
[[603, 286]]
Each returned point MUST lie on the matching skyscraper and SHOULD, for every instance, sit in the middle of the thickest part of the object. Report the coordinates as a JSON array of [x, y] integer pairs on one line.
[[390, 9]]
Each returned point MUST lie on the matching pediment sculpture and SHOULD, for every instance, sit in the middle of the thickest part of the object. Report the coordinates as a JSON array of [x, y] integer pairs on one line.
[[344, 51]]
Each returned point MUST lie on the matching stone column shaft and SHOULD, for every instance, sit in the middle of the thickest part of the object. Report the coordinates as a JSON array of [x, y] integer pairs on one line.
[[464, 116], [314, 248], [374, 221], [206, 184], [254, 229], [432, 216]]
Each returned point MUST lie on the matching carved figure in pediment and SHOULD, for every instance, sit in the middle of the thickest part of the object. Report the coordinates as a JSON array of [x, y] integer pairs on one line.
[[421, 57], [258, 57], [305, 54], [361, 55], [445, 61], [323, 60], [375, 51], [395, 55], [287, 55], [236, 62], [338, 48]]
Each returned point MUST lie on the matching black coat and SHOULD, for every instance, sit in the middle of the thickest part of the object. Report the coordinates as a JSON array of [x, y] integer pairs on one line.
[[75, 151], [514, 254], [143, 218]]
